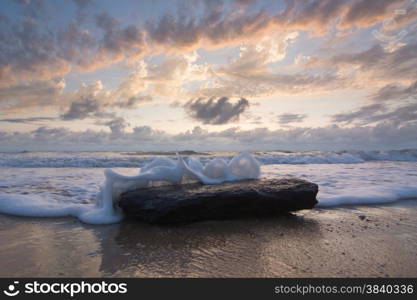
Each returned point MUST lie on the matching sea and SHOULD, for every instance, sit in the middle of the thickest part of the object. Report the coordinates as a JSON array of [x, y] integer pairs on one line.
[[56, 184]]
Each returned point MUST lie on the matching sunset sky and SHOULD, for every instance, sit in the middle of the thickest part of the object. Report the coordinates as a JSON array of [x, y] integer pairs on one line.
[[208, 75]]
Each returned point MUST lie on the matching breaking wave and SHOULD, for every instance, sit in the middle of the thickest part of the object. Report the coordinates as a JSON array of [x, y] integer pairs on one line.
[[337, 157], [137, 160]]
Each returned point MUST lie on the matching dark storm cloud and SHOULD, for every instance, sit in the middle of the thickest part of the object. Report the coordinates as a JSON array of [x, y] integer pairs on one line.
[[285, 119], [216, 111]]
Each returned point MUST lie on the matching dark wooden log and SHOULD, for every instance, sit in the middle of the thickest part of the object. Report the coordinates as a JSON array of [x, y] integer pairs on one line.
[[194, 202]]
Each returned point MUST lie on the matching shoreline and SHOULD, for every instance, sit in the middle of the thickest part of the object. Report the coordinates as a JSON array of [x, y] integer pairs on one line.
[[350, 241]]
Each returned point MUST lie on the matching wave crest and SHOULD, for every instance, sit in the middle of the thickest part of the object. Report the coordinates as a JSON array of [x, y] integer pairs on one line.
[[123, 160]]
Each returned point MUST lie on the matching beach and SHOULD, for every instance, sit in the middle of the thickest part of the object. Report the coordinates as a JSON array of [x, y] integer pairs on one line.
[[363, 225], [371, 241], [218, 139]]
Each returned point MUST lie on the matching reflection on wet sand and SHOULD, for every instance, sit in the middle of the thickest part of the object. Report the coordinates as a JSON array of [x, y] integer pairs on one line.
[[63, 247], [208, 249], [52, 248], [345, 242]]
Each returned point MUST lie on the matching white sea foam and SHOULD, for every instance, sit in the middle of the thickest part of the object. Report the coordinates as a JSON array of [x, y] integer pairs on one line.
[[36, 206], [242, 166], [357, 184], [381, 194]]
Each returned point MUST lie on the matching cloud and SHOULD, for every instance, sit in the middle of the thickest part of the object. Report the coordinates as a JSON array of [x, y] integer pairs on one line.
[[27, 53], [288, 118], [29, 95], [93, 101], [81, 4], [386, 135], [117, 125], [216, 111], [394, 92], [379, 113], [28, 120], [365, 13], [364, 113], [219, 25], [31, 49], [167, 79], [244, 3], [254, 59], [81, 109], [375, 64], [216, 27], [35, 56], [117, 42], [393, 103], [237, 84], [319, 16], [85, 102], [251, 74], [89, 100]]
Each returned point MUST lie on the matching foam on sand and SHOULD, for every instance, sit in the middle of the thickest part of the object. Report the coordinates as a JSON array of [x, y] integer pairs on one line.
[[382, 194]]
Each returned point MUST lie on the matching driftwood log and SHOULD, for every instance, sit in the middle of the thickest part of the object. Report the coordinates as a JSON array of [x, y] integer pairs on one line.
[[195, 202]]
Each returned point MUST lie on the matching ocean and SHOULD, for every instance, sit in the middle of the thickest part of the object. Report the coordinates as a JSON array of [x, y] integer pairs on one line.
[[360, 228], [54, 184]]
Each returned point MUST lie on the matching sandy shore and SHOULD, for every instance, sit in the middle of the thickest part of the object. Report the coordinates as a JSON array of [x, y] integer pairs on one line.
[[372, 241]]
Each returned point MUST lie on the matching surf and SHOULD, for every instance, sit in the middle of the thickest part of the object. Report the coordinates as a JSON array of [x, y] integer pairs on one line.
[[105, 210]]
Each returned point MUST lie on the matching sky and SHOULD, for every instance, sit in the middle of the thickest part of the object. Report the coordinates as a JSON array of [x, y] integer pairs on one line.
[[90, 75]]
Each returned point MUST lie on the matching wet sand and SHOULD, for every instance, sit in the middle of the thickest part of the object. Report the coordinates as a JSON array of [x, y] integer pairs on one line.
[[365, 241]]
